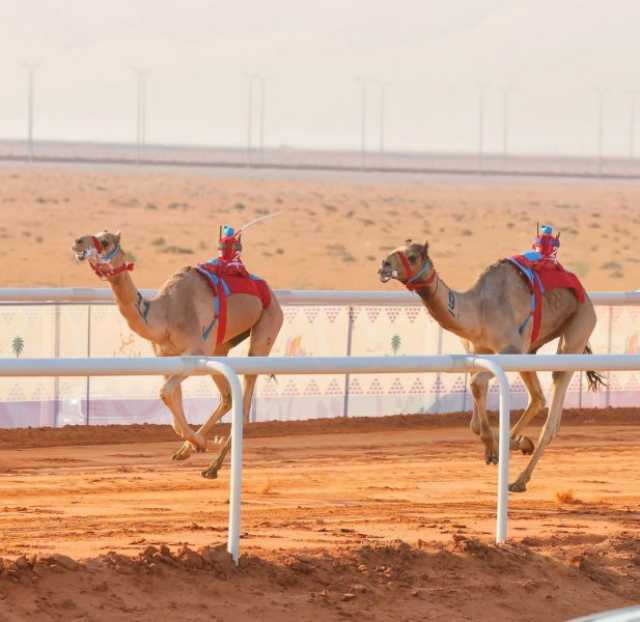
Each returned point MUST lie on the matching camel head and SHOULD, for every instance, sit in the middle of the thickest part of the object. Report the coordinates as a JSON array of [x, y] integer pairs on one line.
[[103, 252], [407, 263]]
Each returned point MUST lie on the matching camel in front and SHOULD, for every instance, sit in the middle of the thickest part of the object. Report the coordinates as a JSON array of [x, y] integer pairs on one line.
[[182, 320]]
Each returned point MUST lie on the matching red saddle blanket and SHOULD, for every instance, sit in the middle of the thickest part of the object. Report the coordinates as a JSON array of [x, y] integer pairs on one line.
[[543, 275], [226, 279]]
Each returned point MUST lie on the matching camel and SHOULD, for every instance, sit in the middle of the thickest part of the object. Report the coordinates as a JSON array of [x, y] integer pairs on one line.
[[180, 320], [491, 318]]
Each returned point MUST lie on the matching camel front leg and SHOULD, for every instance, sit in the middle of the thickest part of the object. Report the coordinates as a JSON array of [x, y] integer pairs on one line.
[[480, 420], [171, 395], [187, 448]]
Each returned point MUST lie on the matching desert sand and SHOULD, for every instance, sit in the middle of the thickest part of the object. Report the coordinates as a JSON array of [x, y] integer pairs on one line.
[[388, 519], [332, 231]]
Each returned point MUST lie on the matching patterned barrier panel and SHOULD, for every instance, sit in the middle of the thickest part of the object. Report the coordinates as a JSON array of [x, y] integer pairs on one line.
[[99, 330]]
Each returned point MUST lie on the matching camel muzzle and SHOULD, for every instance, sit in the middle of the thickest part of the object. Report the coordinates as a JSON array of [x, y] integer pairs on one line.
[[386, 272], [82, 254]]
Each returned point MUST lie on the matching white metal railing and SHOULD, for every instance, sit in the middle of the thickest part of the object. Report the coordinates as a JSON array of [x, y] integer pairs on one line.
[[231, 367], [287, 297]]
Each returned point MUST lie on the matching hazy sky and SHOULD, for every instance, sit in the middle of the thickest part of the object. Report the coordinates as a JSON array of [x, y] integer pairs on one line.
[[435, 54]]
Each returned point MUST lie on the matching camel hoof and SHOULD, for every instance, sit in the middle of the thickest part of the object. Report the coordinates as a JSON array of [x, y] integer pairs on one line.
[[185, 450], [210, 473], [491, 458], [526, 445], [518, 487]]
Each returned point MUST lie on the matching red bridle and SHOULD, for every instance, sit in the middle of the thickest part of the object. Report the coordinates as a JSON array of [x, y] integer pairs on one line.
[[412, 283], [103, 267]]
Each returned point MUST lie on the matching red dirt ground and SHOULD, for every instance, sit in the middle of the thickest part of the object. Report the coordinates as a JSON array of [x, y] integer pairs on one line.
[[381, 519]]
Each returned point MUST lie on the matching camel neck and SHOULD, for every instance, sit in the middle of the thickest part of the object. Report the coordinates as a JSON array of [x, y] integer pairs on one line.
[[451, 309], [132, 306]]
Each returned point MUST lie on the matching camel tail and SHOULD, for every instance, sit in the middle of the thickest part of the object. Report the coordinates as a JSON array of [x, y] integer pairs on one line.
[[594, 379]]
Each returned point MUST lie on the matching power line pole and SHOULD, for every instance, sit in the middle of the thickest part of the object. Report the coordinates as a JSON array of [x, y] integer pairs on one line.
[[600, 128], [632, 126], [505, 123], [363, 122], [383, 88], [480, 164], [253, 77], [31, 75], [262, 114], [250, 121], [141, 113]]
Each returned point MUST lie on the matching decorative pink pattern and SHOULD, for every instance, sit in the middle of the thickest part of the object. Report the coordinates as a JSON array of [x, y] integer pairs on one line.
[[417, 388], [393, 313], [334, 388], [375, 388], [290, 314], [311, 313], [332, 313], [355, 388]]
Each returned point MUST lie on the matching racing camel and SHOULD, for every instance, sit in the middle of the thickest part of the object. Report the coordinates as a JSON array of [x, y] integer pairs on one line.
[[495, 317], [198, 311]]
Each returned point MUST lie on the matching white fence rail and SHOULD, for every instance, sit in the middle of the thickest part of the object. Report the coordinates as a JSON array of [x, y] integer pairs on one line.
[[231, 367], [84, 322], [287, 297]]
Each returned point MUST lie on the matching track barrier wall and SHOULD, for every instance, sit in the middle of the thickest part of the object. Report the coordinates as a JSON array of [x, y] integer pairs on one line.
[[60, 323]]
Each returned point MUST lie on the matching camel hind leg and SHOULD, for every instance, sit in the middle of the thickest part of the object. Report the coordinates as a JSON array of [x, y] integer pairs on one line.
[[535, 405], [263, 337], [573, 341]]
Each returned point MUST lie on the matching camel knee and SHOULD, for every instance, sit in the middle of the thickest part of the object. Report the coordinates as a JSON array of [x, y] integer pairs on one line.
[[474, 425], [167, 392], [479, 384], [557, 376], [225, 401], [537, 402]]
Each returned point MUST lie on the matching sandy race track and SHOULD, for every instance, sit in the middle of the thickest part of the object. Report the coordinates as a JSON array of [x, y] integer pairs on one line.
[[368, 519]]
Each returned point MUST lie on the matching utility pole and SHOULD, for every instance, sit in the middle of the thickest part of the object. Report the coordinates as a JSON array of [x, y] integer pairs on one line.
[[383, 88], [600, 128], [632, 127], [363, 122], [480, 164], [250, 120], [254, 77], [262, 114], [141, 115], [31, 75], [505, 123]]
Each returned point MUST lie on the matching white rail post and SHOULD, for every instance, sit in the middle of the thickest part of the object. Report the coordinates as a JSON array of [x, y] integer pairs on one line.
[[504, 430], [235, 484]]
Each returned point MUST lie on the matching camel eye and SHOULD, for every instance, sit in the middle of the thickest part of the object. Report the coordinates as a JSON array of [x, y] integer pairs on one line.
[[412, 258]]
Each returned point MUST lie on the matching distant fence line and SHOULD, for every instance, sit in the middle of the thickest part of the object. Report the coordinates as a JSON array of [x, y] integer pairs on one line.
[[318, 159]]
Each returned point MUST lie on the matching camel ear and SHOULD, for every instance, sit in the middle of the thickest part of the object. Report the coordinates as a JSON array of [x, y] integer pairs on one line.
[[408, 241], [426, 248], [117, 234]]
